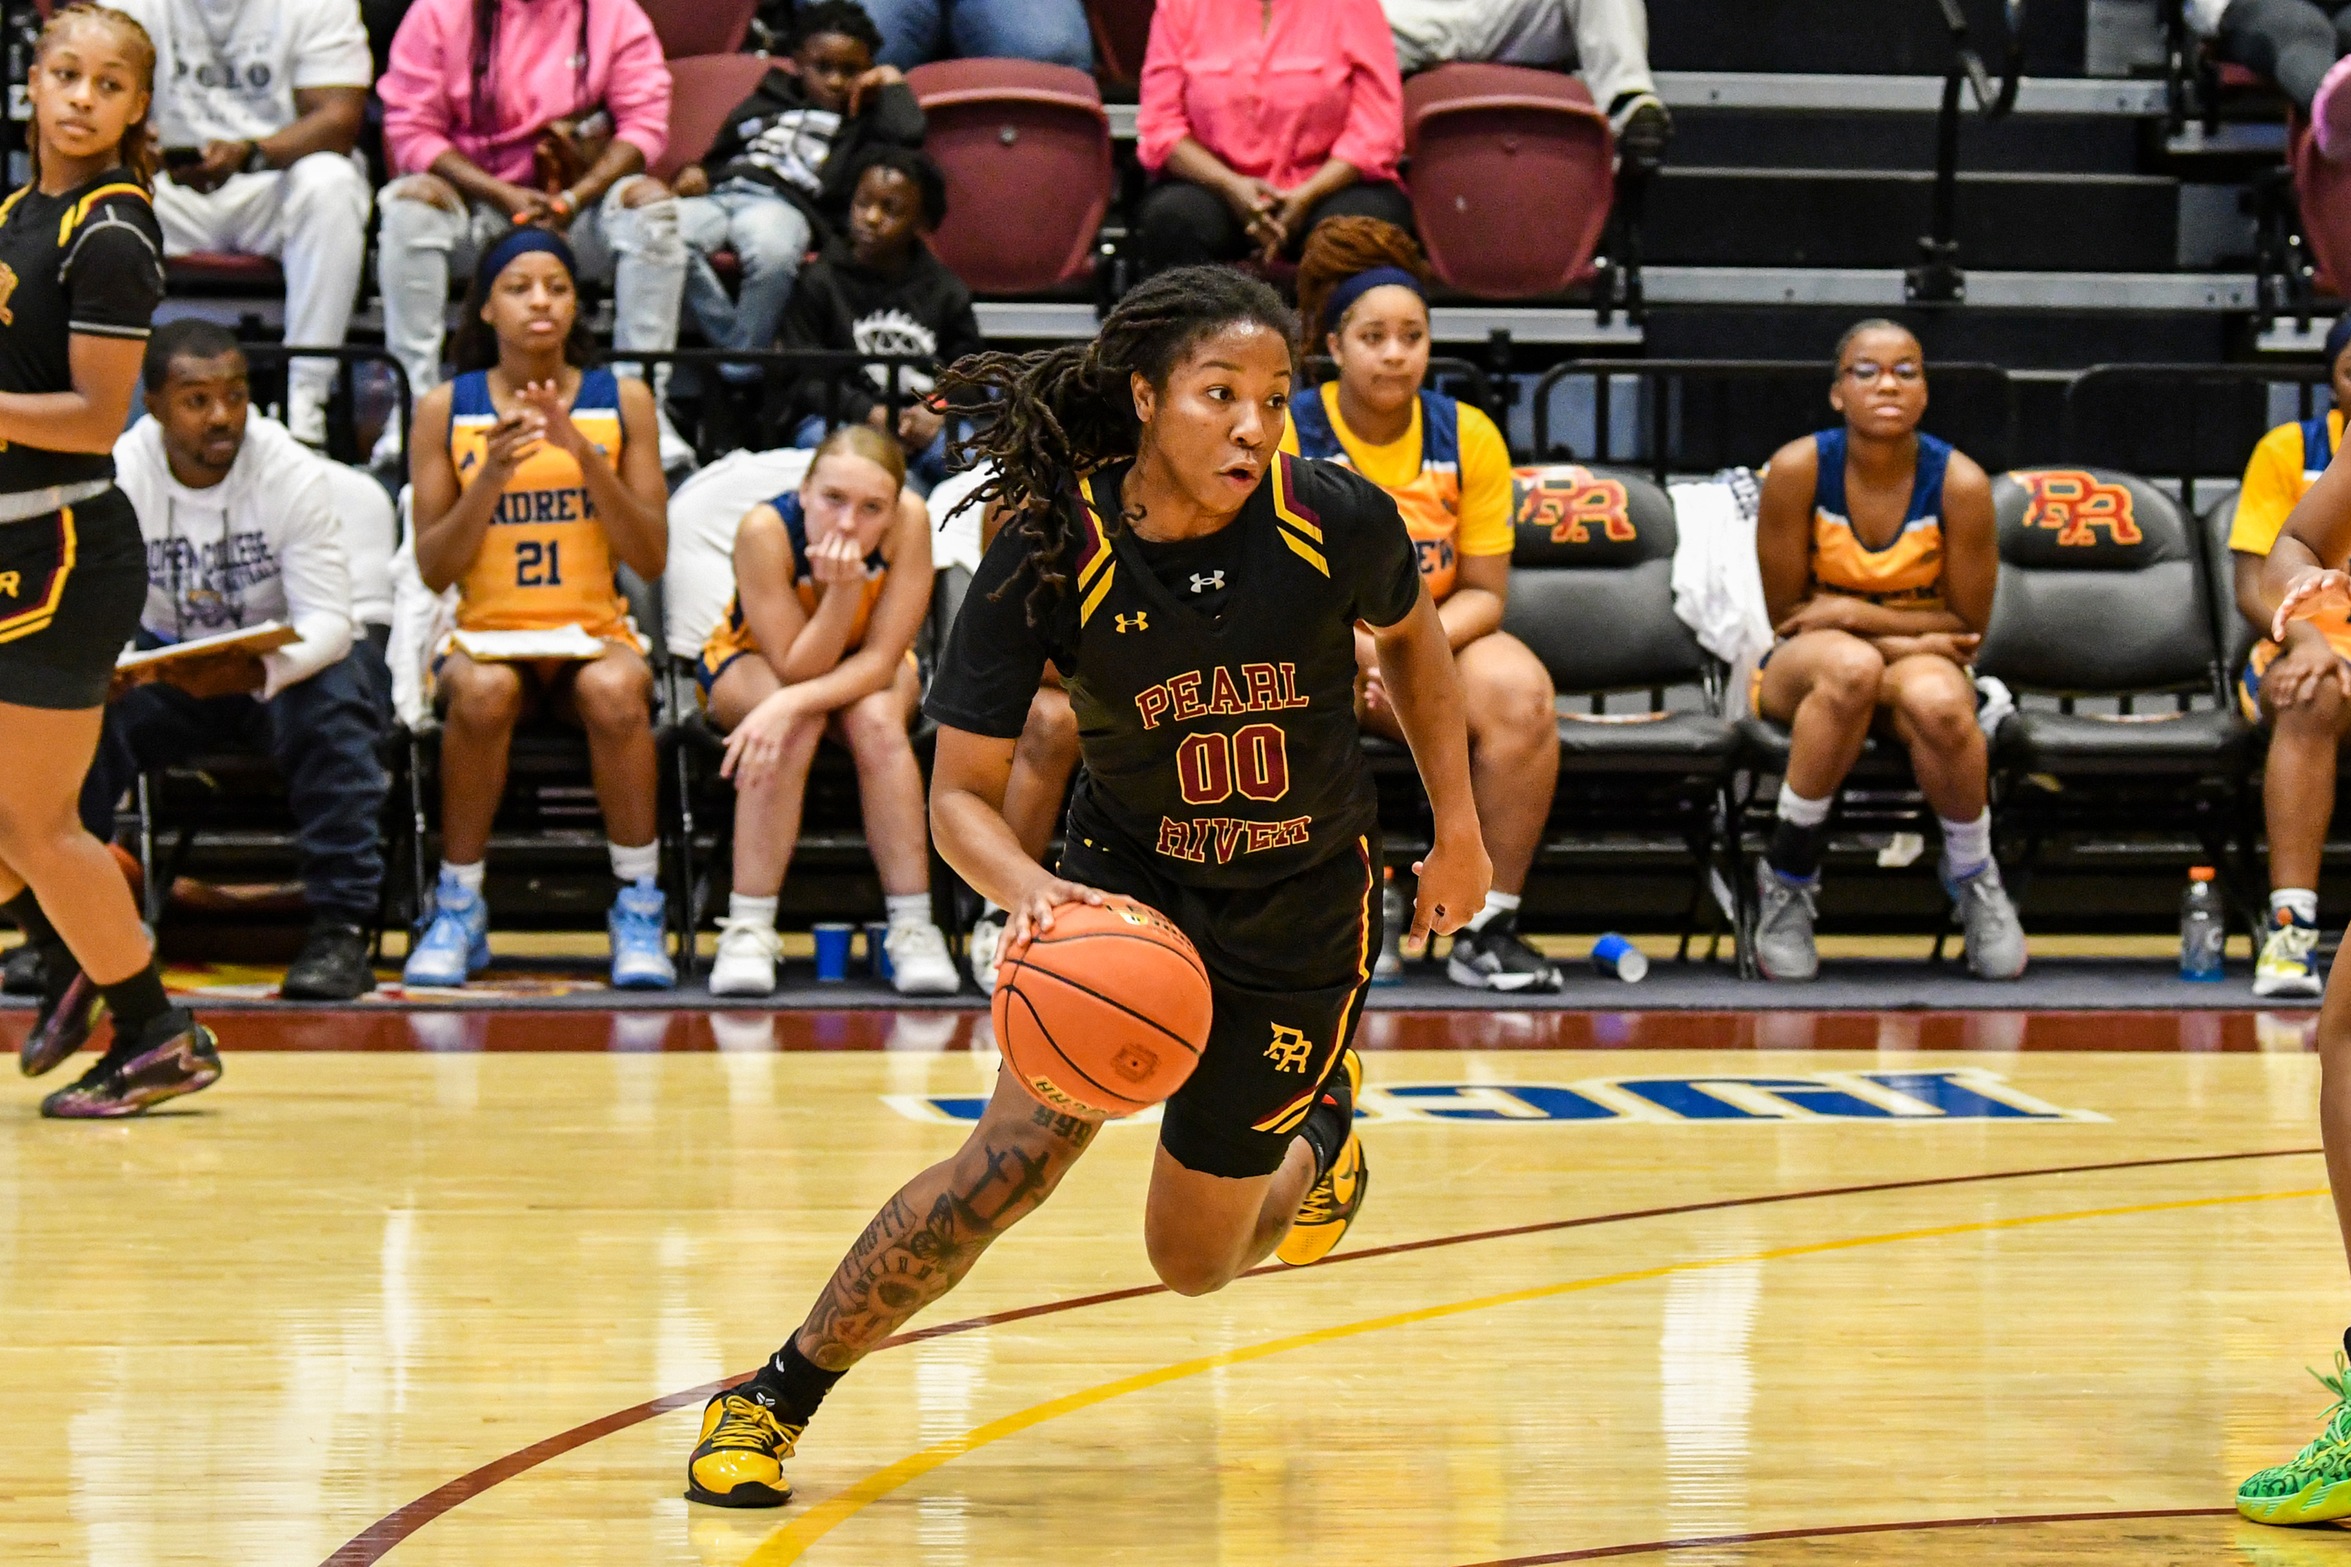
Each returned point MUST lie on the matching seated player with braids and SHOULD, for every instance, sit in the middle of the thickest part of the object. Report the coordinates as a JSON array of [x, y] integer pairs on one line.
[[832, 583], [1361, 297]]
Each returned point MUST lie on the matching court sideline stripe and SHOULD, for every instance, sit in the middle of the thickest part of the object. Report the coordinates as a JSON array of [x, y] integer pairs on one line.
[[374, 1542], [792, 1541], [1654, 1547]]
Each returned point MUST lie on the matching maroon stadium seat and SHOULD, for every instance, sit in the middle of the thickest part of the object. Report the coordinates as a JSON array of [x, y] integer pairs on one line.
[[222, 269], [691, 27], [1026, 150], [703, 90], [1512, 173], [2322, 189], [1122, 30]]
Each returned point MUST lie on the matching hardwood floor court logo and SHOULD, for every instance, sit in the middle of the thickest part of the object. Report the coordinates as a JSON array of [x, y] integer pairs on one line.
[[1933, 1095]]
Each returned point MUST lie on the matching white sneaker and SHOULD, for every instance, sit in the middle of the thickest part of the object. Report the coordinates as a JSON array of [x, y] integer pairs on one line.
[[746, 963], [919, 963], [676, 451], [986, 940]]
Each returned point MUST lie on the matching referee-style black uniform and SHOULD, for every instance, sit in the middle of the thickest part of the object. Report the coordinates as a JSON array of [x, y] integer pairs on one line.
[[1224, 784], [73, 572]]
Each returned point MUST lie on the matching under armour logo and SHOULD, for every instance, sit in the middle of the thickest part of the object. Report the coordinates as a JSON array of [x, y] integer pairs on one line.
[[1289, 1049], [1138, 621], [1211, 583]]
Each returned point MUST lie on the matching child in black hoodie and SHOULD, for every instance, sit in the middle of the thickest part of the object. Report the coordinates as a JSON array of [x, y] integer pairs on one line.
[[776, 184], [882, 291]]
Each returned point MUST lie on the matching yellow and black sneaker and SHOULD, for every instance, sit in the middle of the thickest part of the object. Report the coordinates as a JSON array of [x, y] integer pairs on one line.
[[740, 1460], [1331, 1203]]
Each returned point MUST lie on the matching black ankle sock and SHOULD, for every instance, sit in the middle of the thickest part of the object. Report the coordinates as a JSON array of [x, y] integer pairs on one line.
[[1326, 1125], [134, 1003], [791, 1384], [1795, 849]]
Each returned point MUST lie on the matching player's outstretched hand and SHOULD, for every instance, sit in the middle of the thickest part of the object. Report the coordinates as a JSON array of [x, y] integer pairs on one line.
[[1454, 881], [2313, 594], [1032, 912]]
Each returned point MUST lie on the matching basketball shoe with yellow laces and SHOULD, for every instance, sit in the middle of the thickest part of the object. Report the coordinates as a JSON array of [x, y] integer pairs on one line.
[[2314, 1486], [1331, 1203], [740, 1460]]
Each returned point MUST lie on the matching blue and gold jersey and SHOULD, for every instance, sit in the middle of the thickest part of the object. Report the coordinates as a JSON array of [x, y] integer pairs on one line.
[[733, 637], [545, 560], [1908, 569]]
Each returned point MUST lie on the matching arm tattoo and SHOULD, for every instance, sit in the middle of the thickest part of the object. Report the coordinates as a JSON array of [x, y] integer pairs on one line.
[[929, 1234]]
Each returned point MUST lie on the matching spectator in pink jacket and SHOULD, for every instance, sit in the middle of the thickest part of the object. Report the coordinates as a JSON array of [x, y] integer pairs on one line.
[[501, 112], [1261, 118]]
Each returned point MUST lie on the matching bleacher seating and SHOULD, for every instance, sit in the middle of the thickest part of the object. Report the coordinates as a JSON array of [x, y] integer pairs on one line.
[[1026, 151], [704, 89], [1510, 175], [692, 27], [1122, 30]]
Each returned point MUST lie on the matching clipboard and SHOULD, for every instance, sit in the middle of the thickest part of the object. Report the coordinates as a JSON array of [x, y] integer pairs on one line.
[[267, 637]]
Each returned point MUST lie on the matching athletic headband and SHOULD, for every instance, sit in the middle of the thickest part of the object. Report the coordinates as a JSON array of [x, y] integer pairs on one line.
[[1344, 296], [2338, 339], [520, 241]]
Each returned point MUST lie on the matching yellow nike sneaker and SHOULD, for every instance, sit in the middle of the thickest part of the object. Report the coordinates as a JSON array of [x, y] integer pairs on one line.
[[1331, 1203], [740, 1460], [2314, 1486]]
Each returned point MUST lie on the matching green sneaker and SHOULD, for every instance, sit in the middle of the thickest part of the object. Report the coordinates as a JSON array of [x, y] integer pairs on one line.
[[2314, 1486]]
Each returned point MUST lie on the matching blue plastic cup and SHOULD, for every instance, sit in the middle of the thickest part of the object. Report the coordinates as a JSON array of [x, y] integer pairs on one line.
[[832, 953], [877, 949], [1612, 954]]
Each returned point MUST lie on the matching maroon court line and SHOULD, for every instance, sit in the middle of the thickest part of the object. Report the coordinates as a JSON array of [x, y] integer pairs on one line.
[[374, 1542], [1655, 1547]]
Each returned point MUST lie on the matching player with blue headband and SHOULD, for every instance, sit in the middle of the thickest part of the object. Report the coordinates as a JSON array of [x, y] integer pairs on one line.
[[1363, 299]]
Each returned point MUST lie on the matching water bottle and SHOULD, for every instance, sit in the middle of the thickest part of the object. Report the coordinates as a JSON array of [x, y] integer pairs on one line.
[[2201, 930], [1395, 914]]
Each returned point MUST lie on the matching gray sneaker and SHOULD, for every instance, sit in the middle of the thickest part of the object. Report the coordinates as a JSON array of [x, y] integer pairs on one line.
[[1783, 925], [1995, 936]]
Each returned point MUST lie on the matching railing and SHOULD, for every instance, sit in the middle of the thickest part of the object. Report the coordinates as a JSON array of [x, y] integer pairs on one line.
[[269, 361], [2179, 422]]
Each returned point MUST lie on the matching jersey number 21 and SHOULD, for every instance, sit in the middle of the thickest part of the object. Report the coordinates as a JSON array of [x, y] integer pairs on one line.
[[538, 565]]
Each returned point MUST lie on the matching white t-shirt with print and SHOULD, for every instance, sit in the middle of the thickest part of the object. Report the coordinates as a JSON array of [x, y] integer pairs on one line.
[[227, 70]]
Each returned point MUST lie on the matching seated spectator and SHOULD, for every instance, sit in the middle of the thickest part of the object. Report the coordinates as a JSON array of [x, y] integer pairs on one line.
[[545, 113], [2299, 45], [259, 104], [915, 32], [1361, 298], [1260, 122], [1878, 552], [533, 476], [1608, 40], [833, 582], [777, 182], [2301, 689], [241, 528], [882, 291]]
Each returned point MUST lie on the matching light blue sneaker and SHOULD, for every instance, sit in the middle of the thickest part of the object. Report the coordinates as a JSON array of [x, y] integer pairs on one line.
[[456, 945], [639, 961]]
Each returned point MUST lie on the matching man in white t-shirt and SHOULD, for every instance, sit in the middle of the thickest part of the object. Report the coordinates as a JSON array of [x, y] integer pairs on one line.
[[241, 528], [1609, 40], [258, 104]]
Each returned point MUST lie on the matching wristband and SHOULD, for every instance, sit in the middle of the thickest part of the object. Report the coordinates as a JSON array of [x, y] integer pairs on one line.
[[256, 161], [563, 203]]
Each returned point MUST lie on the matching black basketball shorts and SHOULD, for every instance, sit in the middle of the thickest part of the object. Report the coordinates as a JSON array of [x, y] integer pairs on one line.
[[1288, 966], [72, 583]]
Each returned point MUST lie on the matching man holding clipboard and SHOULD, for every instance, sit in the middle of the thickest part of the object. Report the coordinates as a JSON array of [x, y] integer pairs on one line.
[[244, 550]]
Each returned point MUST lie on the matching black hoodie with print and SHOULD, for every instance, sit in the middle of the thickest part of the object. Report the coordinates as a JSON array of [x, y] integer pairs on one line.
[[921, 310], [807, 155]]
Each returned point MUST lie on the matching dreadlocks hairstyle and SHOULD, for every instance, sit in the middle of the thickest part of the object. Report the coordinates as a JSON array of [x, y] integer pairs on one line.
[[1336, 250], [139, 153], [1044, 420], [485, 37], [845, 17]]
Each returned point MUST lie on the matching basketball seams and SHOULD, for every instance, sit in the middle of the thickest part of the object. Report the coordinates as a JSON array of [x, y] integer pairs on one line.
[[1114, 1004], [1124, 932], [1038, 1021], [1189, 954]]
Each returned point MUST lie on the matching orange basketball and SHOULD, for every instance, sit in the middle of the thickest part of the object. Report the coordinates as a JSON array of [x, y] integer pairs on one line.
[[1107, 1012]]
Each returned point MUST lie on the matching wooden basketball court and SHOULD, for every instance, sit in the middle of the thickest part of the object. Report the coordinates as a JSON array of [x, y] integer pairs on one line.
[[451, 1288]]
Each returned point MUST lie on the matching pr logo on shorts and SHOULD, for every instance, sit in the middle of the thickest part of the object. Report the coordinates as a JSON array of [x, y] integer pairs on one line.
[[1289, 1049], [1138, 621]]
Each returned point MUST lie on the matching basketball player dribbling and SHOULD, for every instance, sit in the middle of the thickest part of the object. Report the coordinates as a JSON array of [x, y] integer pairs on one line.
[[1127, 469]]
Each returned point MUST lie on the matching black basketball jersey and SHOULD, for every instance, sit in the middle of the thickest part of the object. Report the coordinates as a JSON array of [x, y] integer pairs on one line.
[[89, 260], [1225, 746]]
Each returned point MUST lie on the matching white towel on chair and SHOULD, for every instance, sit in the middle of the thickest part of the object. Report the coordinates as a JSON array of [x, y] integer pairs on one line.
[[1717, 586]]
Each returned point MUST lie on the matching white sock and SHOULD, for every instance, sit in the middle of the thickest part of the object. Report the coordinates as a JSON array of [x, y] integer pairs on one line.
[[467, 876], [642, 863], [1496, 903], [909, 908], [2302, 902], [1967, 846], [1803, 812], [740, 907]]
